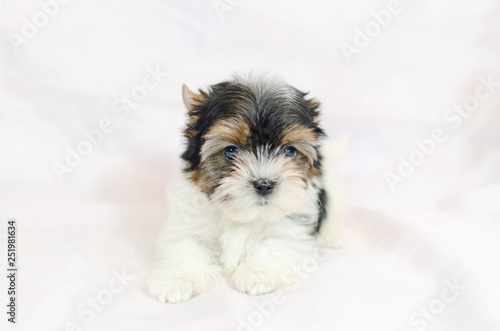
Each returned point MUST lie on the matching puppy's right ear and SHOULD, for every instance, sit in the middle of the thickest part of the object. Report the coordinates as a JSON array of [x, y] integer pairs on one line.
[[190, 101], [189, 97]]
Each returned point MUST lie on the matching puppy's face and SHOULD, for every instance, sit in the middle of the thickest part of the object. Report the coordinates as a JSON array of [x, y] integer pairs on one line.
[[252, 147]]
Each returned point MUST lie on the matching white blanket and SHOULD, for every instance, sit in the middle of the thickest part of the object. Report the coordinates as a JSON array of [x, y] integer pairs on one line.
[[412, 85]]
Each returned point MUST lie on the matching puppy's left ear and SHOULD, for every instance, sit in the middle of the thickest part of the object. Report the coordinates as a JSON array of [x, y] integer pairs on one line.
[[314, 105], [189, 97]]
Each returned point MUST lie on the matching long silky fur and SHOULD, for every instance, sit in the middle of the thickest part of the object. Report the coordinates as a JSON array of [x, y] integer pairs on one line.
[[217, 224]]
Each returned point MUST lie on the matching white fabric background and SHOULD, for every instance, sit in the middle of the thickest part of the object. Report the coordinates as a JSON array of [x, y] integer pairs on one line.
[[401, 248]]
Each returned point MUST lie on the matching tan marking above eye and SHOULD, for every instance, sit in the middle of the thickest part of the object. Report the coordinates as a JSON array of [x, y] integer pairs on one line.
[[297, 133], [222, 133], [234, 130], [304, 139]]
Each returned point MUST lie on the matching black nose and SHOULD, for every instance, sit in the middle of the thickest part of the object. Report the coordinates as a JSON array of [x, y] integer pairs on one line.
[[263, 186]]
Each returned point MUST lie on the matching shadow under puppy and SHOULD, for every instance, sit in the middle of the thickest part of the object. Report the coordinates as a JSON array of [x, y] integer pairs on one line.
[[251, 202]]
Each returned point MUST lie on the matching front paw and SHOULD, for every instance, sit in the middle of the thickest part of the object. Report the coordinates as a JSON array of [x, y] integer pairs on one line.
[[169, 290], [258, 281], [167, 286]]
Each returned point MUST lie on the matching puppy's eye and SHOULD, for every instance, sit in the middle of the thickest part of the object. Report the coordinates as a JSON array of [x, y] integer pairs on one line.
[[230, 151], [290, 151]]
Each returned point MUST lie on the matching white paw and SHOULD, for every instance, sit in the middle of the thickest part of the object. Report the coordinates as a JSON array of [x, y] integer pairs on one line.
[[168, 285], [258, 282], [331, 233], [170, 291], [330, 240]]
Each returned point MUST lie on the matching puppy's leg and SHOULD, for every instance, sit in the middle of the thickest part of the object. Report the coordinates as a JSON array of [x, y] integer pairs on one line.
[[265, 264], [188, 264], [257, 277], [189, 268], [331, 231]]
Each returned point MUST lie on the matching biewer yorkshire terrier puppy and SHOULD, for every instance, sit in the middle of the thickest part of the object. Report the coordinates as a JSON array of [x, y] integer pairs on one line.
[[251, 202]]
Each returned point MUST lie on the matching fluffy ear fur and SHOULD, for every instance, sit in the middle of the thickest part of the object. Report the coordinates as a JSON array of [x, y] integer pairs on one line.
[[188, 97], [192, 102], [314, 106]]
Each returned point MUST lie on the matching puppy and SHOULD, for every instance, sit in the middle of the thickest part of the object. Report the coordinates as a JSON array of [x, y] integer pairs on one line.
[[250, 203]]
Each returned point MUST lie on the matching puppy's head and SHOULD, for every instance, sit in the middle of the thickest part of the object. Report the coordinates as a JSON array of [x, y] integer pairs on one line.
[[252, 146]]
